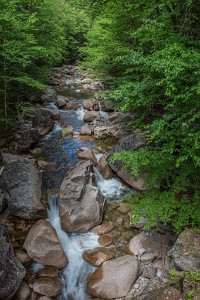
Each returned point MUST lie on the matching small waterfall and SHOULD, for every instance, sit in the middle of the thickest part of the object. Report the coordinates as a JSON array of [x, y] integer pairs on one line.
[[75, 274], [112, 189], [103, 114], [80, 113], [52, 105], [56, 128]]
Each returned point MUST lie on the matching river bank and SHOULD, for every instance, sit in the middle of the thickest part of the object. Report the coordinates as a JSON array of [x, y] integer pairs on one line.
[[63, 175]]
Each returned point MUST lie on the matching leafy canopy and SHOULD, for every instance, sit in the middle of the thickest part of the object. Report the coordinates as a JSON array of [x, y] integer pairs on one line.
[[149, 53]]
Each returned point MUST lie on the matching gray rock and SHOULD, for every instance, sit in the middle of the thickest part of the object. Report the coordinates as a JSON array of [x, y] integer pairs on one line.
[[147, 257], [48, 94], [21, 185], [11, 270], [41, 120], [35, 123], [154, 289], [114, 278], [2, 201], [81, 202], [149, 271], [186, 250]]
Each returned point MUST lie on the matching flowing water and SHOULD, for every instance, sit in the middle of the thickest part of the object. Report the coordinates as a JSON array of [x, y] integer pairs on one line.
[[62, 151]]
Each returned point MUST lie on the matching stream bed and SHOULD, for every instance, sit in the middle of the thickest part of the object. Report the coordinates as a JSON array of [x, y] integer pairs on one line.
[[62, 152]]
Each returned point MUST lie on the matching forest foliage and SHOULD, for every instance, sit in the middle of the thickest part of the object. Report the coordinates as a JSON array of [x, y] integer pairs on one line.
[[34, 36], [148, 52]]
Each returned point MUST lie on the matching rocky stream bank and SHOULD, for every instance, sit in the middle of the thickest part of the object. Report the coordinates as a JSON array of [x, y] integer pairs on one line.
[[65, 230]]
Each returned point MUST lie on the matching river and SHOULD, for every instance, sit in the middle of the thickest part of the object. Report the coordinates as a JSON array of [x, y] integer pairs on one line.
[[62, 151]]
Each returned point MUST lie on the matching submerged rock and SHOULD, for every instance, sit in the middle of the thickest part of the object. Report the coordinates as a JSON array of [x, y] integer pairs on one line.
[[42, 245], [21, 185], [81, 202], [114, 278], [11, 270]]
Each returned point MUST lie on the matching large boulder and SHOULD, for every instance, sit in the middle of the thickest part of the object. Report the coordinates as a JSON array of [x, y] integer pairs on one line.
[[129, 143], [81, 202], [114, 279], [21, 185], [49, 249], [41, 120], [186, 250], [35, 123], [11, 270], [90, 116]]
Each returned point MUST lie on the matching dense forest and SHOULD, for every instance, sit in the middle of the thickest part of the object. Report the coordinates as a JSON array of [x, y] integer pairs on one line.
[[148, 53]]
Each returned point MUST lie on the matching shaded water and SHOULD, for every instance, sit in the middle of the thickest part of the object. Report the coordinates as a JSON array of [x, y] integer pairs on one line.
[[63, 150]]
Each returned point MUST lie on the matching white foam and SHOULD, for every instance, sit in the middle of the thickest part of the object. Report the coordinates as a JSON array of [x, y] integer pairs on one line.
[[112, 189], [103, 114], [80, 113], [52, 105], [75, 274]]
